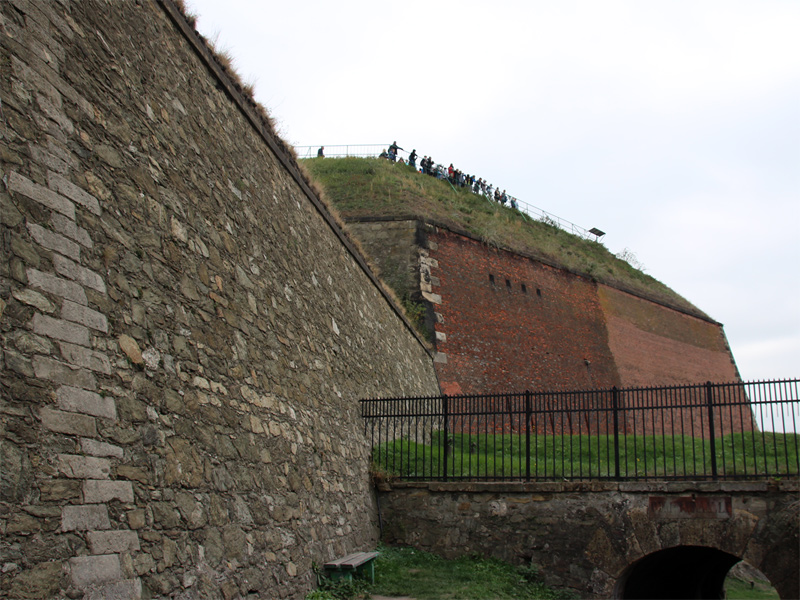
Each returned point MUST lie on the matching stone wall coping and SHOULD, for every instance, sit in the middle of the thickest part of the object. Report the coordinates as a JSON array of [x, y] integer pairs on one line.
[[571, 487]]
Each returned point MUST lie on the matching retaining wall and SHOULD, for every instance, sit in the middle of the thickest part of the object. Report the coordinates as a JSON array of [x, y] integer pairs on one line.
[[185, 331]]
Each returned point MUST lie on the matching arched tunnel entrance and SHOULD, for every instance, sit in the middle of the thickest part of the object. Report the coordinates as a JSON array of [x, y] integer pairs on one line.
[[679, 572]]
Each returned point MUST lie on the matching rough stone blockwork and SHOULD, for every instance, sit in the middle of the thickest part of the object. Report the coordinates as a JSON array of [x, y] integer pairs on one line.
[[184, 336], [588, 535]]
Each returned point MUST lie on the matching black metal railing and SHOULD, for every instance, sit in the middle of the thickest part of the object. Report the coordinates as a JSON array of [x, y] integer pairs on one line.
[[691, 432]]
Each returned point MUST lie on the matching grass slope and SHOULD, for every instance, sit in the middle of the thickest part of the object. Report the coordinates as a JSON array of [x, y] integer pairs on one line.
[[371, 187]]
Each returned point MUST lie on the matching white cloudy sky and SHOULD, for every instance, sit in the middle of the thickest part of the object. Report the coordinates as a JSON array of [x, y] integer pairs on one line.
[[673, 125]]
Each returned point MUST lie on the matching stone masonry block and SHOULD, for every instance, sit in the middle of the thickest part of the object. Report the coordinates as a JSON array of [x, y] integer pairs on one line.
[[67, 422], [54, 241], [45, 367], [79, 356], [70, 229], [113, 542], [432, 298], [56, 285], [73, 192], [53, 156], [88, 403], [98, 491], [78, 313], [91, 517], [50, 199], [34, 299], [93, 570], [54, 111], [97, 448], [127, 589], [72, 270], [59, 329], [75, 466]]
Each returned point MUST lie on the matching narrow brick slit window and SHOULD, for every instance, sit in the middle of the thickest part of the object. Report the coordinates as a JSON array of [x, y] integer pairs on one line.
[[508, 283], [538, 292], [524, 289], [491, 278]]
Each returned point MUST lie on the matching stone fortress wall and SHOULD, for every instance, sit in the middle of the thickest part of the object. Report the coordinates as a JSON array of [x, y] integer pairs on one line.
[[185, 331]]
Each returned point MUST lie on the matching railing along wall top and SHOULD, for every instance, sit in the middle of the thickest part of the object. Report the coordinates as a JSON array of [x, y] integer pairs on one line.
[[733, 430]]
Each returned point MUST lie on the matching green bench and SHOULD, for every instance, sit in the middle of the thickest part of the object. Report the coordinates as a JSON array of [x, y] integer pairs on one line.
[[358, 563]]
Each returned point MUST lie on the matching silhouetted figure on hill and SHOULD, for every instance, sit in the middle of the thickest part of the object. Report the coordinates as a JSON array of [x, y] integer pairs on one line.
[[412, 158], [321, 152]]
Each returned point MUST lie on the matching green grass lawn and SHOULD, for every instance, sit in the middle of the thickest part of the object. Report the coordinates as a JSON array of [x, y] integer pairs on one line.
[[587, 457], [425, 576], [737, 589]]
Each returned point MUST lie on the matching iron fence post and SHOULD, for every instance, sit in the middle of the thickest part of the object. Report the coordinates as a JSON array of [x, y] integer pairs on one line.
[[711, 429], [446, 437], [615, 412], [527, 435]]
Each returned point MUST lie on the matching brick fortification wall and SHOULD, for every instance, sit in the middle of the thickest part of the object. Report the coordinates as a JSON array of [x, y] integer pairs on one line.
[[653, 344], [184, 334], [508, 322]]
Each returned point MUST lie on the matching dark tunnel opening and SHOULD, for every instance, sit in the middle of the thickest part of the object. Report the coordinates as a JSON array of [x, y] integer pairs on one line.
[[680, 572]]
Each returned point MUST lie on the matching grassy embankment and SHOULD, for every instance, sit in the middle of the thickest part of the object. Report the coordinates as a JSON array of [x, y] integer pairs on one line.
[[424, 576], [365, 187], [555, 457]]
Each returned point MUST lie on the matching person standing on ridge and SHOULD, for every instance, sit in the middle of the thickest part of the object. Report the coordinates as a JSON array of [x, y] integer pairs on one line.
[[412, 158], [393, 151], [320, 152]]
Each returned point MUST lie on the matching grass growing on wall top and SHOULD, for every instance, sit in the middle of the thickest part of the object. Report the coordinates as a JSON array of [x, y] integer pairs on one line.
[[366, 187]]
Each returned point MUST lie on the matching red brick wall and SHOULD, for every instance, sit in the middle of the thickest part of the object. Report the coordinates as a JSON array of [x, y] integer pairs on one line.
[[492, 336], [655, 345], [498, 337]]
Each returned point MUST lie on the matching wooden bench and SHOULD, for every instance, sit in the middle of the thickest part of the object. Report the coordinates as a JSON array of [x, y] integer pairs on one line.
[[358, 563]]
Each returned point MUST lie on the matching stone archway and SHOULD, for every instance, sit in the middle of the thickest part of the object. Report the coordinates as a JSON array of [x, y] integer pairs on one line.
[[688, 555], [679, 572]]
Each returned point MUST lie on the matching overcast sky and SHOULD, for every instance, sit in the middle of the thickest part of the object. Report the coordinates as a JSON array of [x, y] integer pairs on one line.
[[674, 126]]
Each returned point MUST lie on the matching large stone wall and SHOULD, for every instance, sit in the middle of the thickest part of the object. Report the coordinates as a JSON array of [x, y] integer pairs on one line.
[[185, 332]]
